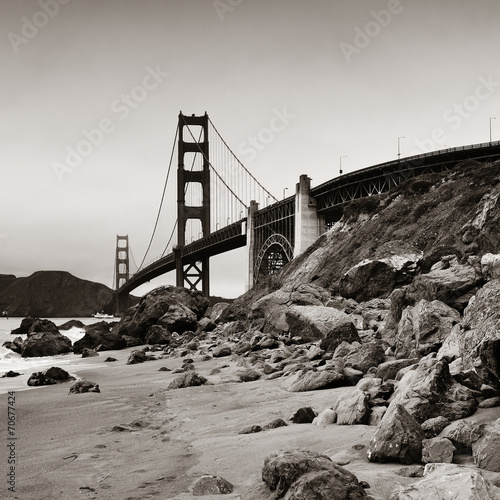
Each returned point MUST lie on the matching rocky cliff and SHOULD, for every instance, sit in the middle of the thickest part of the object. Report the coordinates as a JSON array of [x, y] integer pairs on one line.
[[54, 294]]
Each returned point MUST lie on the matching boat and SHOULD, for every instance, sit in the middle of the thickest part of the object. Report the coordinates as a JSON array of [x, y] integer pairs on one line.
[[101, 315]]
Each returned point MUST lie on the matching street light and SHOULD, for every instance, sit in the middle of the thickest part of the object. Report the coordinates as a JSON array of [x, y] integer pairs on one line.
[[399, 146], [492, 118], [340, 168], [284, 190]]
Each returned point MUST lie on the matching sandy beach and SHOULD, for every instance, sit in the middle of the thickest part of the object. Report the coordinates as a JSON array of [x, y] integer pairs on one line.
[[137, 440]]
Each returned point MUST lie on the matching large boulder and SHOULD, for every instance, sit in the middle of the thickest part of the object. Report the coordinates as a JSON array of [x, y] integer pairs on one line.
[[39, 344], [398, 438], [53, 375], [353, 409], [429, 391], [365, 356], [424, 327], [309, 380], [321, 323], [490, 266], [485, 450], [449, 481], [299, 474], [211, 485], [479, 343], [174, 308], [99, 336]]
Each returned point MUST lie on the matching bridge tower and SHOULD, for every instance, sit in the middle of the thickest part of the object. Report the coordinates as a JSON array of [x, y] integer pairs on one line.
[[189, 274], [121, 261]]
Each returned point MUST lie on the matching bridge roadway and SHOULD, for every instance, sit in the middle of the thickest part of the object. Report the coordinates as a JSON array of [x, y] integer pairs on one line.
[[333, 193]]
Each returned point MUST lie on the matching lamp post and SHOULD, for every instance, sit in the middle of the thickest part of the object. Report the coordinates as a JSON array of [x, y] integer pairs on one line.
[[284, 191], [492, 118], [340, 167], [399, 146]]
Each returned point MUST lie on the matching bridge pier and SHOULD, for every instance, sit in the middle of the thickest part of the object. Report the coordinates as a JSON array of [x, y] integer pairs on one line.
[[250, 246], [308, 223]]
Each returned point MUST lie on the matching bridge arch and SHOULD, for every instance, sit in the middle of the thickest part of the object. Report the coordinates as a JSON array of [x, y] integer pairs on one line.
[[273, 255]]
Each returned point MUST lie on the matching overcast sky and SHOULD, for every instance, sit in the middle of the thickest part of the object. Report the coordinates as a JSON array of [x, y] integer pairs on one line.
[[349, 76]]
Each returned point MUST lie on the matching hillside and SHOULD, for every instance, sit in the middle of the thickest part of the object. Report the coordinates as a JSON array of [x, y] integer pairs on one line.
[[55, 294]]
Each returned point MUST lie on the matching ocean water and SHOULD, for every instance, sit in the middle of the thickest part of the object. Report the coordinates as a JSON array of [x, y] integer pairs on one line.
[[10, 360]]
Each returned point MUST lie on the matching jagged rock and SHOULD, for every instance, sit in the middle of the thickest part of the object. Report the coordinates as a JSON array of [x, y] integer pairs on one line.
[[397, 438], [446, 285], [389, 369], [217, 310], [248, 375], [434, 426], [449, 481], [490, 402], [158, 334], [365, 356], [45, 344], [353, 409], [16, 345], [351, 376], [211, 485], [303, 416], [25, 326], [132, 341], [100, 337], [139, 356], [301, 474], [313, 380], [490, 266], [376, 415], [462, 434], [485, 449], [437, 450], [221, 351], [175, 308], [430, 391], [82, 386], [89, 353], [187, 379], [326, 417], [424, 327], [480, 340]]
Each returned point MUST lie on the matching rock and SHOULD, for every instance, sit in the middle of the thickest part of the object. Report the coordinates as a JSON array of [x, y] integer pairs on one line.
[[139, 356], [480, 340], [424, 327], [353, 409], [365, 356], [89, 353], [461, 434], [397, 438], [10, 373], [434, 426], [376, 415], [82, 386], [251, 429], [16, 345], [248, 375], [446, 285], [321, 323], [449, 481], [188, 379], [351, 376], [25, 326], [490, 402], [490, 266], [211, 485], [485, 449], [274, 424], [158, 334], [303, 416], [313, 380], [389, 369], [72, 323], [437, 450], [217, 310], [326, 417], [109, 359], [411, 471], [174, 308], [99, 337], [221, 351], [45, 344], [304, 474], [430, 391]]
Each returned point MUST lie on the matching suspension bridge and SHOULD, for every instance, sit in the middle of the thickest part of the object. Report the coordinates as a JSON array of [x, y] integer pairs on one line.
[[221, 206]]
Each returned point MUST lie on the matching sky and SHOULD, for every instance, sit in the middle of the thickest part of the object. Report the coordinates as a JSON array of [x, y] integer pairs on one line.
[[348, 81]]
